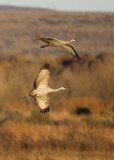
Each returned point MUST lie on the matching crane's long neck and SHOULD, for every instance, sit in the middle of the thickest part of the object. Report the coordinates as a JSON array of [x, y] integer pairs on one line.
[[72, 40], [56, 90]]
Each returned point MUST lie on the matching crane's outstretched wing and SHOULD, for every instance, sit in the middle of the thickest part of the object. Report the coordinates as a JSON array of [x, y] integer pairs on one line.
[[46, 39], [42, 79], [43, 103], [71, 50]]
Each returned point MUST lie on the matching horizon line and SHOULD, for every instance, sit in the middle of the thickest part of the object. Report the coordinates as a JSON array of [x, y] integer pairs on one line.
[[47, 8]]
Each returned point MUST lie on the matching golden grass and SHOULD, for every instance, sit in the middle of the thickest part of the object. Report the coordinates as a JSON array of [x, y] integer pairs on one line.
[[21, 135], [55, 155], [32, 141]]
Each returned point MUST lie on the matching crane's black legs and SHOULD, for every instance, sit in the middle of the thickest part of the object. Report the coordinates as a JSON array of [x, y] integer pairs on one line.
[[45, 46]]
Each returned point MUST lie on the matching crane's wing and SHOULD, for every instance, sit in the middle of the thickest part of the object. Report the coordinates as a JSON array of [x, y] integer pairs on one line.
[[46, 39], [71, 50], [42, 78], [43, 103]]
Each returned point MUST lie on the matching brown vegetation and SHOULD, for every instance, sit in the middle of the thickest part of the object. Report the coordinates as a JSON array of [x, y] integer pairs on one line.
[[25, 129]]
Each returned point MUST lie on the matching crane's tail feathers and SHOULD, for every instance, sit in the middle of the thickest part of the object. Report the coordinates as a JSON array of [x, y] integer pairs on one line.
[[44, 110], [37, 38], [27, 100]]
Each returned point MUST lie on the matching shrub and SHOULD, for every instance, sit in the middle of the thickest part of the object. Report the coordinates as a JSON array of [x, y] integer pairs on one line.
[[82, 110]]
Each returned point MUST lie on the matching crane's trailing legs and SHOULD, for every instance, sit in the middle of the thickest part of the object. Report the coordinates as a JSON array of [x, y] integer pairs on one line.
[[47, 45]]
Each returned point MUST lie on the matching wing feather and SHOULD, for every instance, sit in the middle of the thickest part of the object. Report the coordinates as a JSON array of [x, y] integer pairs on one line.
[[43, 103], [46, 39], [42, 78], [71, 50]]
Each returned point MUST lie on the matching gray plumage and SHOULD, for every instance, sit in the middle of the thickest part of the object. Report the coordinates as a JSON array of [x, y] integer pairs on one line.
[[59, 43]]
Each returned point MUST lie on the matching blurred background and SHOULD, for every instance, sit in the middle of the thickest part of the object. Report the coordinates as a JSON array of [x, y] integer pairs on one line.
[[80, 124]]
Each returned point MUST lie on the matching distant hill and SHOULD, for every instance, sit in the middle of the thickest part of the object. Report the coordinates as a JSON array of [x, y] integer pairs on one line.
[[10, 7], [19, 26]]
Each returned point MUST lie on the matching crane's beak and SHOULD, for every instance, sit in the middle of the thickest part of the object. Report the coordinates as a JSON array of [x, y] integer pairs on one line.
[[67, 89]]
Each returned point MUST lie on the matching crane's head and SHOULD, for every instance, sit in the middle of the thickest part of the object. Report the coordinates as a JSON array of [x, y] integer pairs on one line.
[[64, 88], [74, 39]]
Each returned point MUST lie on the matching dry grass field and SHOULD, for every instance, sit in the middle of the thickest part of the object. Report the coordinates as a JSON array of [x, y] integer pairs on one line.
[[64, 133]]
